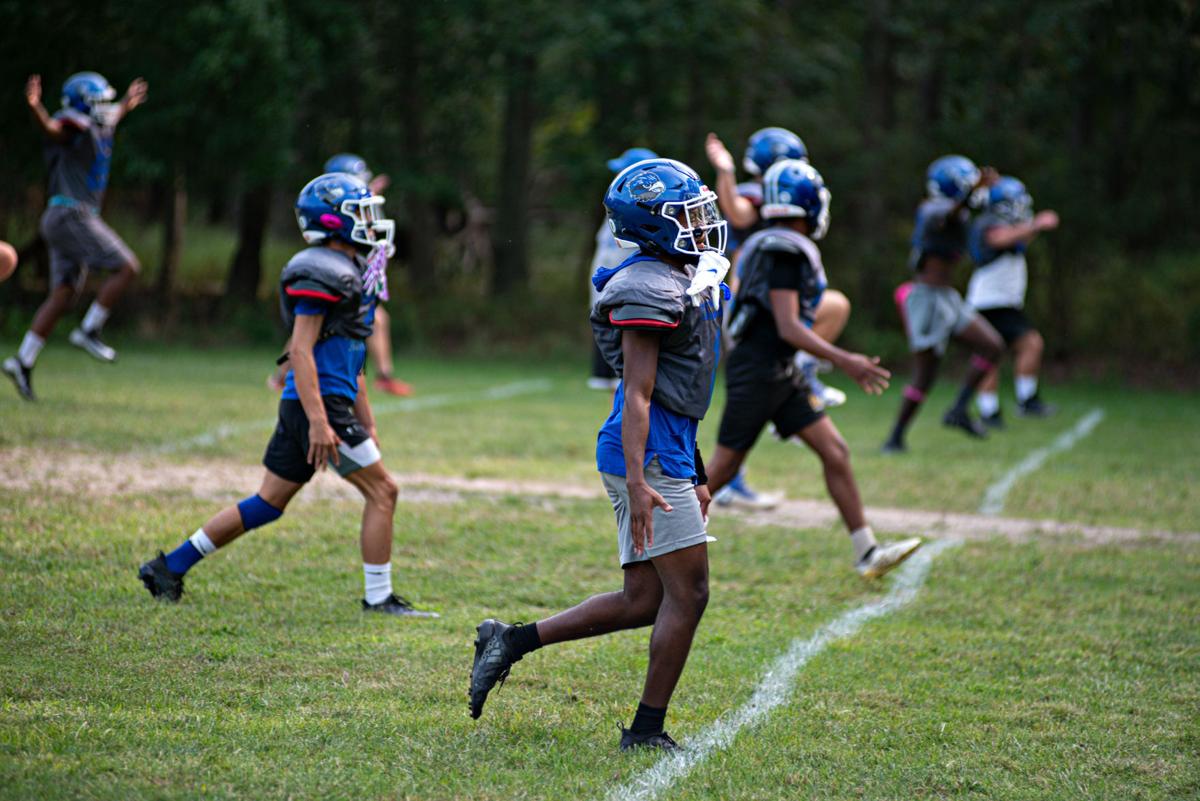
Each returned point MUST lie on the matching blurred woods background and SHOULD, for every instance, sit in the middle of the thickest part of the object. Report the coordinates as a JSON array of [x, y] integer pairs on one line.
[[494, 120]]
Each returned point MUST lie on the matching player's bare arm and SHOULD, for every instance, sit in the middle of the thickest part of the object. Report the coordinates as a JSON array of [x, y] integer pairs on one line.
[[135, 95], [738, 211], [1004, 237], [322, 441], [640, 352], [52, 128], [865, 370]]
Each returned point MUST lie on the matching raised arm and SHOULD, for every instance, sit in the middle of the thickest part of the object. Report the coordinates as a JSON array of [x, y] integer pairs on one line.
[[53, 129], [739, 211], [135, 95], [1003, 237]]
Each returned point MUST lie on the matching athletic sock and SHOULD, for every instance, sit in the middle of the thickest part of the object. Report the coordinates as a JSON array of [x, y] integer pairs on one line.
[[524, 638], [31, 346], [95, 318], [988, 403], [377, 582], [965, 392], [193, 549], [648, 720], [1026, 387], [863, 540]]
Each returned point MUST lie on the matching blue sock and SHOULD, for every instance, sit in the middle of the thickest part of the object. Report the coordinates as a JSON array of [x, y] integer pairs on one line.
[[180, 560]]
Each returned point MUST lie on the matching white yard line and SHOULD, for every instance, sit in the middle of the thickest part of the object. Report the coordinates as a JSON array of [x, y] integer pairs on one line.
[[776, 686], [994, 497], [497, 392]]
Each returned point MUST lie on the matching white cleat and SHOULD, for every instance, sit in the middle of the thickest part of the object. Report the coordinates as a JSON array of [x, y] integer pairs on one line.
[[884, 557], [746, 498], [92, 344], [832, 397]]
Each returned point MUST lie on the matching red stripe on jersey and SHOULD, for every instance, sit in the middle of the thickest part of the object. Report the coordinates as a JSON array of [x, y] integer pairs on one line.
[[640, 323], [312, 293]]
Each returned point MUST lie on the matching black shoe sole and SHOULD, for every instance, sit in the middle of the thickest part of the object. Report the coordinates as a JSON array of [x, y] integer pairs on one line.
[[146, 574], [28, 396], [484, 632]]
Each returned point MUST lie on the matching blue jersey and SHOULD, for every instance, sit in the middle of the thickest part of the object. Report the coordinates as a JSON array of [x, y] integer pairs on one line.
[[339, 359], [671, 437]]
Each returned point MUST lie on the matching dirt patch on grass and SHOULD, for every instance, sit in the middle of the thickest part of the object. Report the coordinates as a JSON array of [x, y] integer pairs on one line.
[[104, 474]]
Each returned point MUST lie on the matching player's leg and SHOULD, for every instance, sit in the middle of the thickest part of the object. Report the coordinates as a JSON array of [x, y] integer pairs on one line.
[[19, 368], [109, 252], [987, 400], [724, 465], [748, 406], [870, 558], [925, 369], [684, 576], [1027, 366], [163, 575], [379, 347], [986, 346]]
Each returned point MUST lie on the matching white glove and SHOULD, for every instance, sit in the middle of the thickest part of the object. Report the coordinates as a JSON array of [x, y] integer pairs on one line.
[[710, 272]]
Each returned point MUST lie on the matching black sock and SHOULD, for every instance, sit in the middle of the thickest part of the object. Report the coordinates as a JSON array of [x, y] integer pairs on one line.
[[524, 638], [648, 720], [964, 397]]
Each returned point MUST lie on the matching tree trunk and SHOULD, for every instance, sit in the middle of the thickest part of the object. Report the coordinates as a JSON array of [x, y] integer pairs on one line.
[[880, 117], [422, 220], [173, 223], [246, 270], [510, 235]]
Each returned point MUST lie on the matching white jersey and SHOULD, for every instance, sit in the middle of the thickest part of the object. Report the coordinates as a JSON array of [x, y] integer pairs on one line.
[[999, 284], [608, 254]]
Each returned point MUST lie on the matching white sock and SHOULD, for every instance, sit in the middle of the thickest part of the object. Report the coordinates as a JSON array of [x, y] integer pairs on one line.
[[95, 318], [31, 346], [988, 403], [202, 543], [377, 581], [863, 540], [1026, 386]]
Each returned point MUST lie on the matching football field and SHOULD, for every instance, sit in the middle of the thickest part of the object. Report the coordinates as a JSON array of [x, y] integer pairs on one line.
[[1045, 644]]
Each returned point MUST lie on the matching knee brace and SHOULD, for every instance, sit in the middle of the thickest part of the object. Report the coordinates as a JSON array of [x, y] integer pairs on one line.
[[913, 394], [981, 364], [256, 512]]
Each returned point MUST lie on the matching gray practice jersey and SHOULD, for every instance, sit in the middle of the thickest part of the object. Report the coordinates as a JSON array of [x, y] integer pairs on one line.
[[79, 167], [652, 295]]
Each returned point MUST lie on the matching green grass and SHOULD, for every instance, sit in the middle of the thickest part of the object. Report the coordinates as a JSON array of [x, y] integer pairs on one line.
[[1052, 670]]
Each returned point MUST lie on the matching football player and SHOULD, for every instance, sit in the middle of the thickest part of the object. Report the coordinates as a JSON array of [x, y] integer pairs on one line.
[[78, 152], [998, 239], [932, 310], [379, 344], [324, 415], [658, 323], [780, 290]]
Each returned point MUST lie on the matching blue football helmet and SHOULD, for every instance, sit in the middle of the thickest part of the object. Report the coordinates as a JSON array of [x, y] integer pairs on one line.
[[339, 206], [631, 156], [954, 178], [794, 188], [769, 145], [661, 206], [89, 93], [352, 164], [1009, 199]]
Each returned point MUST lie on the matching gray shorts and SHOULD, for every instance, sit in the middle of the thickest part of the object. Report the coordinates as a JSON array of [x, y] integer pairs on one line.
[[77, 238], [673, 531], [934, 314]]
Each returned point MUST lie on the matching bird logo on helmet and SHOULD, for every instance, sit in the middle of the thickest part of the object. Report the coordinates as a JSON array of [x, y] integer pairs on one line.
[[1009, 199], [954, 178], [769, 145], [91, 94], [661, 206], [339, 206], [352, 164], [794, 188]]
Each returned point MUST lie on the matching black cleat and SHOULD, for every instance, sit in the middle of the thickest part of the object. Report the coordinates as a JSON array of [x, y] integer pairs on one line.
[[162, 583], [660, 740], [21, 375], [494, 657], [958, 418], [395, 605], [893, 447], [1035, 407], [993, 421]]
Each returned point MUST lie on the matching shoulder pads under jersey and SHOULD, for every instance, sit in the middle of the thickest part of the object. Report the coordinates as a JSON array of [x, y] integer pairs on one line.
[[643, 295], [74, 118], [321, 273]]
